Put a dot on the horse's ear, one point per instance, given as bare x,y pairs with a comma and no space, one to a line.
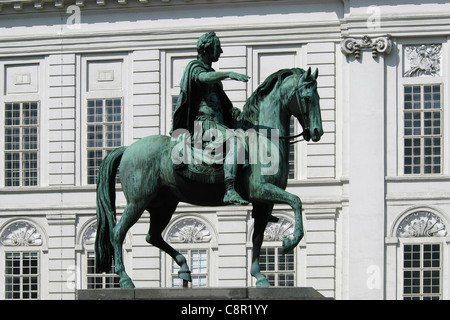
315,74
308,73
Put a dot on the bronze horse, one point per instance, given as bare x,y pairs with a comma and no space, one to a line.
150,183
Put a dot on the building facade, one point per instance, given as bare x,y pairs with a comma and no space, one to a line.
80,78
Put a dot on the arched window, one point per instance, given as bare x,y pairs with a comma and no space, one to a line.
193,238
21,243
421,257
279,269
92,279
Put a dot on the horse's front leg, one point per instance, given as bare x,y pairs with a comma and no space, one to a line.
270,193
261,214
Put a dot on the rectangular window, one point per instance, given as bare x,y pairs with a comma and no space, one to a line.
198,260
423,129
21,144
422,271
21,275
104,132
96,280
279,269
291,174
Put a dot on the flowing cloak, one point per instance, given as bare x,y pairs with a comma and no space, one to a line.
191,94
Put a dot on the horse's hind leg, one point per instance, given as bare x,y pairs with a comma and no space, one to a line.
130,216
260,213
159,218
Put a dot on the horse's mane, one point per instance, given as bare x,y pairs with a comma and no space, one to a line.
250,111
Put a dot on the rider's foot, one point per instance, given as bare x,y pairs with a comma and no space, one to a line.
232,197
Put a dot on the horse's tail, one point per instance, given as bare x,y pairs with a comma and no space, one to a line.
106,209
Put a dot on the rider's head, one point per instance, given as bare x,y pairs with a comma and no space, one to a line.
209,45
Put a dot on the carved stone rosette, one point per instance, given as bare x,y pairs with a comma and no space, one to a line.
378,45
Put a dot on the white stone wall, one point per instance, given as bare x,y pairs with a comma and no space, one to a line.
351,183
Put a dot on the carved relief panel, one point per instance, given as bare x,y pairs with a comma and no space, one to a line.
278,231
422,60
21,234
421,224
189,230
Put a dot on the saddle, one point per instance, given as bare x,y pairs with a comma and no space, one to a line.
203,173
192,163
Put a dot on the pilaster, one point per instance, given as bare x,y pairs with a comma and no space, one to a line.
366,91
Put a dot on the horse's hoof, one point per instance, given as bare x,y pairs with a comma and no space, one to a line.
126,284
185,275
262,283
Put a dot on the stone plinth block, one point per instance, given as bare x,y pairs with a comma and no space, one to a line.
273,293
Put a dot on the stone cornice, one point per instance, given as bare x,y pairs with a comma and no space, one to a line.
20,5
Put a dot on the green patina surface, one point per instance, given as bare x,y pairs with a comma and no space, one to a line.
150,181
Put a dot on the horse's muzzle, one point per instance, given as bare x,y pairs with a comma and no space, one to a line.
317,134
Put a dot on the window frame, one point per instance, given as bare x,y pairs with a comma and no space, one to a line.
276,272
39,95
81,169
422,241
299,51
103,124
21,275
167,261
402,82
187,252
170,87
21,150
111,275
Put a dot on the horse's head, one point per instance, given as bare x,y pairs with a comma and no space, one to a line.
307,107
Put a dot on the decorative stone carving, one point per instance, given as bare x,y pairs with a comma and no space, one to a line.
278,231
421,224
89,234
422,60
378,45
189,231
21,234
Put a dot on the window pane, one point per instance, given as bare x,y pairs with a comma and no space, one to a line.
103,136
422,129
21,275
96,280
21,136
279,269
421,271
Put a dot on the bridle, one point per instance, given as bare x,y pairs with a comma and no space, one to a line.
299,103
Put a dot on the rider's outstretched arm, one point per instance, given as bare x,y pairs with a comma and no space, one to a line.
214,77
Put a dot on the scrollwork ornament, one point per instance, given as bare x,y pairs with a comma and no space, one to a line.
89,234
378,45
189,231
278,231
21,234
421,224
422,60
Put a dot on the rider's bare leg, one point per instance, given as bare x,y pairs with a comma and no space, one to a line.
230,172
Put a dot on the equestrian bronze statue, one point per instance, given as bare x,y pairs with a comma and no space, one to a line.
216,156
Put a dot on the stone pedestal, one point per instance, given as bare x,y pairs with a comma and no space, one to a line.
273,293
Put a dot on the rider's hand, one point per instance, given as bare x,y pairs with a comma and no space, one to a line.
239,77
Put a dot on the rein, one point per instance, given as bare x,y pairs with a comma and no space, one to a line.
293,137
298,103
